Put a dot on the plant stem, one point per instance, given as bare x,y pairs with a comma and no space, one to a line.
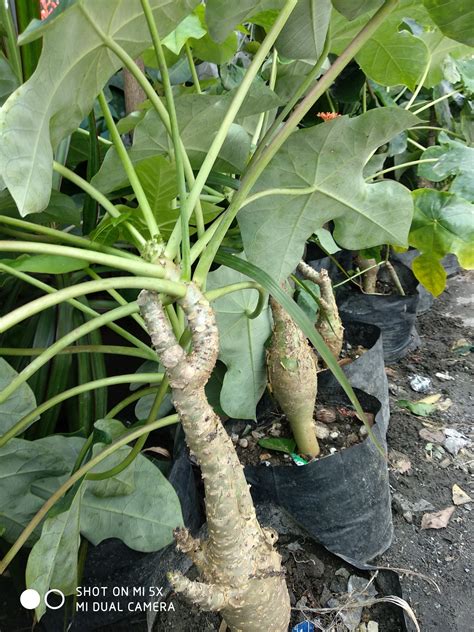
137,267
299,92
34,415
440,129
127,164
63,236
137,448
395,278
213,295
416,144
117,296
59,493
13,51
241,93
177,144
192,67
158,106
431,103
263,118
401,166
420,85
88,287
129,400
65,341
105,349
257,166
81,307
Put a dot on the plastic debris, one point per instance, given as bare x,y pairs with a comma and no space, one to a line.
420,384
455,441
304,626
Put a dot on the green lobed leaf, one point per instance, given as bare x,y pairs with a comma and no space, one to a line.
430,273
52,562
61,93
199,118
455,18
454,160
443,223
46,264
190,27
8,79
305,31
241,345
352,9
222,16
20,403
327,160
439,48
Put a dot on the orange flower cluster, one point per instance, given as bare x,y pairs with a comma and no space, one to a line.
47,7
327,116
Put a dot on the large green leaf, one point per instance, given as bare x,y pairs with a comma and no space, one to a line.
454,160
352,9
304,34
61,209
439,48
45,264
190,27
23,463
327,162
52,562
222,16
33,470
443,223
455,18
199,118
17,405
393,55
241,345
61,92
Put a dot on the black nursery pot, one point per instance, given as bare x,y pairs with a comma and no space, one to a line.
342,500
395,315
113,566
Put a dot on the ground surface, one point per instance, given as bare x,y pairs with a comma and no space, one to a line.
422,476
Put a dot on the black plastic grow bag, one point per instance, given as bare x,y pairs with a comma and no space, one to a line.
342,500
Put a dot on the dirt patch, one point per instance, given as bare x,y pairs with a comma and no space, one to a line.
446,555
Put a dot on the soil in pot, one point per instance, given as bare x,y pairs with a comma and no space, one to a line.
341,498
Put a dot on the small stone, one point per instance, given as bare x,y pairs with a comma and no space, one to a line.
314,567
326,415
352,439
256,434
332,450
363,431
235,437
334,435
265,456
322,431
244,443
408,516
274,432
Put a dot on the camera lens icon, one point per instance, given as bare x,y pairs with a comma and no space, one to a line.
31,599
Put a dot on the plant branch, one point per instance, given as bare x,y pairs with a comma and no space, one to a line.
401,166
192,67
104,349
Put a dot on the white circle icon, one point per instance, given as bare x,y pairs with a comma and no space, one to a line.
30,599
54,591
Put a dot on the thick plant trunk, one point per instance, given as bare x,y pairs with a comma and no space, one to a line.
329,323
240,569
369,278
292,373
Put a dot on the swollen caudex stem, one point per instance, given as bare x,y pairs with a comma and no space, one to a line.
240,570
370,271
329,323
292,374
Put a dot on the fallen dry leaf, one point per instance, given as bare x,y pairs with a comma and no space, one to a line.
390,372
459,496
430,399
438,519
433,436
